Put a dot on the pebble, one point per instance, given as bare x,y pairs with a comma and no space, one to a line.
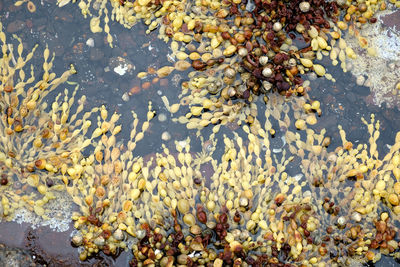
267,72
77,240
121,69
341,221
263,60
140,234
360,80
125,97
121,65
380,185
242,52
90,42
118,234
304,6
277,26
162,117
99,241
196,246
267,85
391,65
356,217
243,202
165,136
319,70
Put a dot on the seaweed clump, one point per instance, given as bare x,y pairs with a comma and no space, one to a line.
241,49
112,189
38,140
244,206
356,193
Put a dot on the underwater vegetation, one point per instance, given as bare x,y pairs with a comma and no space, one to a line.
36,139
110,188
243,207
238,201
239,50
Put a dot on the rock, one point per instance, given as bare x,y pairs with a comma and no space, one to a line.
99,241
121,65
96,54
15,257
391,20
77,240
58,50
118,234
329,122
351,97
90,42
140,234
15,26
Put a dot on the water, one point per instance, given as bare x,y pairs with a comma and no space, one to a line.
67,34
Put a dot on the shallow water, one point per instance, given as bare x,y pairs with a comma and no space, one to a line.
66,32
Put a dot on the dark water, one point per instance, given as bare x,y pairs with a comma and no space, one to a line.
65,32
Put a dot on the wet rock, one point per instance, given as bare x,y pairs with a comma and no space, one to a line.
96,54
14,257
391,116
121,65
329,122
64,15
68,57
58,50
391,20
41,22
98,40
351,97
29,23
15,26
116,52
126,43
